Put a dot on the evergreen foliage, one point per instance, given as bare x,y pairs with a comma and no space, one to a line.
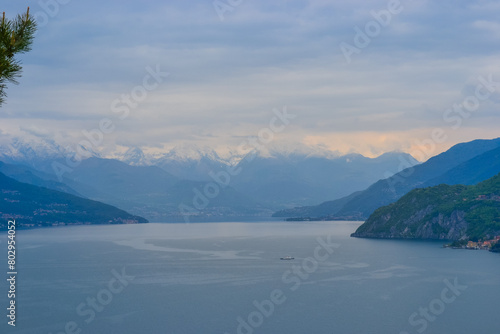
16,37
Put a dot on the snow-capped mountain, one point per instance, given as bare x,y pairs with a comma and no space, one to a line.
40,153
293,178
188,152
190,162
295,150
31,153
277,175
28,150
134,156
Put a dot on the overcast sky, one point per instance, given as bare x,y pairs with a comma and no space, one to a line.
228,70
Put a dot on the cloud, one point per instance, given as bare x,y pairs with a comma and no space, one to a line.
227,76
491,27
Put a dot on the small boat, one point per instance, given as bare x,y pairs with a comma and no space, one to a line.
287,258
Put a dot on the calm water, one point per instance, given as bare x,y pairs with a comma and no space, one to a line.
228,278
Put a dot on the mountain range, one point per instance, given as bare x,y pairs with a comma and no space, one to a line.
163,187
465,163
291,180
200,184
151,191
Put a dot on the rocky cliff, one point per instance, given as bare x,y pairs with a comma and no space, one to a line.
440,212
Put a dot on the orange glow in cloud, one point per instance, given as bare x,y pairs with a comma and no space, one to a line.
417,142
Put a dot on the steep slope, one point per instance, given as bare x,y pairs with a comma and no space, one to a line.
389,190
33,206
475,170
31,176
440,212
325,209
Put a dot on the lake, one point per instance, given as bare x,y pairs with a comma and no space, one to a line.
228,278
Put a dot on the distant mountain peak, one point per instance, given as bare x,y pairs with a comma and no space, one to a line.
291,150
135,156
190,152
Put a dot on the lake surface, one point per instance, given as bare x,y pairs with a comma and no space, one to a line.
228,278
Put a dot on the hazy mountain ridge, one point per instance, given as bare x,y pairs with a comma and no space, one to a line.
294,180
156,185
33,206
477,169
389,190
152,192
32,176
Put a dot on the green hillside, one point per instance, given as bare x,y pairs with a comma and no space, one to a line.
439,212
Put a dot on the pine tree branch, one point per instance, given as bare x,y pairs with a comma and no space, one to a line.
16,37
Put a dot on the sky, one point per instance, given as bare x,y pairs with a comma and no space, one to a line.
357,76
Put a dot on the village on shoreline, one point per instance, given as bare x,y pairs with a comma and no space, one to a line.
492,245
